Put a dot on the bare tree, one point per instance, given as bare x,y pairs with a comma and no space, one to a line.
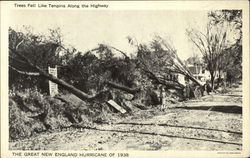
211,44
231,58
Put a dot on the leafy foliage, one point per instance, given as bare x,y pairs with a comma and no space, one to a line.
160,63
37,49
90,70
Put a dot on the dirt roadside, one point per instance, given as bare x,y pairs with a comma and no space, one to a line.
213,122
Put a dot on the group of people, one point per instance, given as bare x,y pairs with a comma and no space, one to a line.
195,91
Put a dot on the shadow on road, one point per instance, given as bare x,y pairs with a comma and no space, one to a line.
225,108
232,95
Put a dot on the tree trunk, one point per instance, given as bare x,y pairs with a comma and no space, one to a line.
219,79
54,79
68,87
212,81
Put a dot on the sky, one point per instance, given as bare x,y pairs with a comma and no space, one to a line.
84,30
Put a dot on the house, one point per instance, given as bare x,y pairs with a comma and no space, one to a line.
200,73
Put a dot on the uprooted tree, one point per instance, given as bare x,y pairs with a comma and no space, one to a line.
30,55
161,63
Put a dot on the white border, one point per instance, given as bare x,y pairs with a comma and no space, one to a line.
139,5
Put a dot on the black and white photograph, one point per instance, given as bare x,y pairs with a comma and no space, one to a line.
106,79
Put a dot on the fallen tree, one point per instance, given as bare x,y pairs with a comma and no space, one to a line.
147,61
161,63
54,79
65,85
170,84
